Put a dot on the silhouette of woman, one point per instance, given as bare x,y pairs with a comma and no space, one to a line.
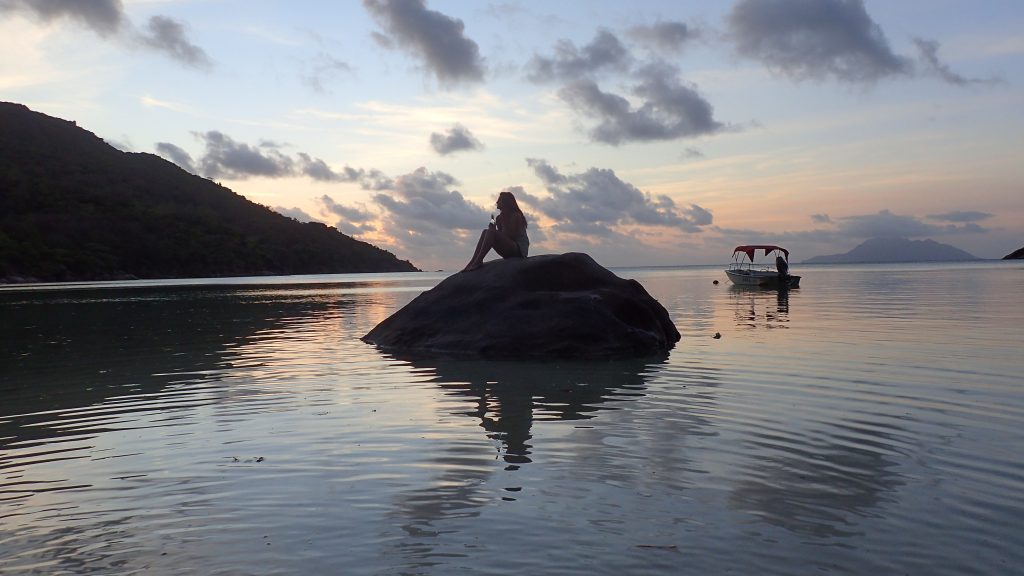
506,234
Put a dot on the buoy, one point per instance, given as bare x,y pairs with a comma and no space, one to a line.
716,282
717,335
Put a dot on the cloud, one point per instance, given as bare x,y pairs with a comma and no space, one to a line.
226,158
223,157
815,39
438,40
605,51
669,109
107,18
296,213
458,138
318,170
821,218
928,55
353,221
167,35
690,153
325,68
961,216
883,224
664,37
176,155
424,200
596,201
104,17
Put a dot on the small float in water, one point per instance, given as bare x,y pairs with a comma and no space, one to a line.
747,270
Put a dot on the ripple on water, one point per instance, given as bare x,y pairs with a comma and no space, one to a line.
866,423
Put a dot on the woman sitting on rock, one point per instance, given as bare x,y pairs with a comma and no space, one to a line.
506,234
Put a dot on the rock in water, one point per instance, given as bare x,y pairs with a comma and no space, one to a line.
551,306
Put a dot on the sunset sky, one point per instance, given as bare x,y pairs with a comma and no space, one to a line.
643,132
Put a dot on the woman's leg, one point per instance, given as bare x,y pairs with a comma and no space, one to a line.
483,246
491,238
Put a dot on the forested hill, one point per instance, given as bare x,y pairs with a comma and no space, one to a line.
73,207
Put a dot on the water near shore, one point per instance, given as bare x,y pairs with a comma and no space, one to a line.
868,423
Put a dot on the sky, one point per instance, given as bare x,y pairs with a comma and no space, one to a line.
644,133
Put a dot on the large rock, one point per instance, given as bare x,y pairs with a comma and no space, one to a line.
552,306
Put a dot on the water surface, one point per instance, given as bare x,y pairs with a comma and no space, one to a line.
867,423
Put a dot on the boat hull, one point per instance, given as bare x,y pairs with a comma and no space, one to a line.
765,279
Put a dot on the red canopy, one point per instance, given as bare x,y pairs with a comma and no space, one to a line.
753,248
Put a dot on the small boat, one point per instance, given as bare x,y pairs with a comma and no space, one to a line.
746,270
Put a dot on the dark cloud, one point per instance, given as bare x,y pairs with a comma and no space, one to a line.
839,231
669,109
353,221
295,213
928,55
323,69
317,169
223,157
176,155
885,224
665,37
105,17
458,138
425,199
435,38
605,51
815,39
595,201
167,35
961,216
226,158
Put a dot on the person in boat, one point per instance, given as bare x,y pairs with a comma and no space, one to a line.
506,234
783,267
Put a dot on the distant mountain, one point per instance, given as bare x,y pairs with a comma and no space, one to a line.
896,250
73,207
1015,255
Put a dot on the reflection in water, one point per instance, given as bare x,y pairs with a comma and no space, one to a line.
507,398
755,307
95,347
818,487
879,434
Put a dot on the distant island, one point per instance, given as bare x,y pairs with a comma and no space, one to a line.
1017,254
896,250
74,208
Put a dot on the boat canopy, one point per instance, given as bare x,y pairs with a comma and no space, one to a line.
753,248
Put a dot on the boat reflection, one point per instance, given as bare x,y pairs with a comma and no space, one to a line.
755,307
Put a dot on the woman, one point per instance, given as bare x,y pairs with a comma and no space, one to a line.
506,234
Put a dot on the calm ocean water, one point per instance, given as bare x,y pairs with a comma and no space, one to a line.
867,423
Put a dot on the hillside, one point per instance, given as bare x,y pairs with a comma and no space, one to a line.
896,250
73,207
1017,254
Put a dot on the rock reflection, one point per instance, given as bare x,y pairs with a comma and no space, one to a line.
506,398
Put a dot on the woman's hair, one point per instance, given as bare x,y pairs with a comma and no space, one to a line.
507,201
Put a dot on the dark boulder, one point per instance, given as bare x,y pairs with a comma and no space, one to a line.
551,306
